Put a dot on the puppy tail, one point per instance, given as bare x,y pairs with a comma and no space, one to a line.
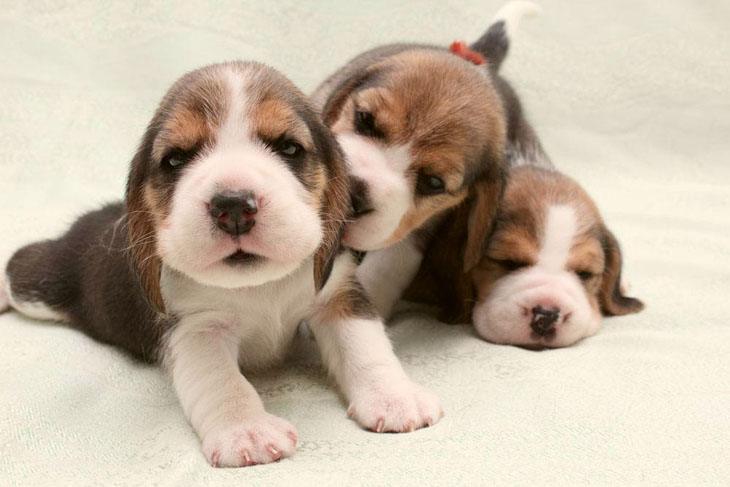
494,43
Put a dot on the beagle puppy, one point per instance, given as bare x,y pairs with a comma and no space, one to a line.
550,268
228,238
423,130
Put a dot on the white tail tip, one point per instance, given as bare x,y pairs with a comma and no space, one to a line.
512,12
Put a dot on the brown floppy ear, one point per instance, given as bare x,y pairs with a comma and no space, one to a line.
486,194
332,108
610,296
440,280
142,236
335,206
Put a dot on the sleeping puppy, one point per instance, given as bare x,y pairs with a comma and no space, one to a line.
423,130
549,271
228,238
551,266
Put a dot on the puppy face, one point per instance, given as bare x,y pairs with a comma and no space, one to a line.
419,129
232,180
551,267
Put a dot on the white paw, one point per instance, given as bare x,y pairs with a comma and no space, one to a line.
262,438
399,407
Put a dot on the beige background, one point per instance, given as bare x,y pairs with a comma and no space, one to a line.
631,97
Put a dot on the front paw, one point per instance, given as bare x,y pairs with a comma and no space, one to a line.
262,438
400,407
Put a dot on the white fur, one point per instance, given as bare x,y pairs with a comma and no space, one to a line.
560,227
385,274
235,125
220,330
252,327
513,12
504,316
381,397
33,309
384,171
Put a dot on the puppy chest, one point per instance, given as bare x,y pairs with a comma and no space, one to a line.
261,319
266,329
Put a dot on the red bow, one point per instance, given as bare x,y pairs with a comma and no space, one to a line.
462,50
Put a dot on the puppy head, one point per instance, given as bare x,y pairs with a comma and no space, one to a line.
419,130
236,182
551,267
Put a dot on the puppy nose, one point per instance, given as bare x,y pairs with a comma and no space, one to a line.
233,211
361,204
543,320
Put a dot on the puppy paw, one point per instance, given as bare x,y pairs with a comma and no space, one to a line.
400,407
263,438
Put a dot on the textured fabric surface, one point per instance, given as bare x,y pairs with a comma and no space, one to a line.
630,97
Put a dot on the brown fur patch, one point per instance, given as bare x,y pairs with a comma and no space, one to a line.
194,108
422,211
349,301
141,229
273,118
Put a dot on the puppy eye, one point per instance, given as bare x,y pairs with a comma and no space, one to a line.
176,158
429,185
365,125
585,275
287,148
510,265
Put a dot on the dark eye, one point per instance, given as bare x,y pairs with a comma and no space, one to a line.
288,149
365,125
176,158
585,275
510,265
428,185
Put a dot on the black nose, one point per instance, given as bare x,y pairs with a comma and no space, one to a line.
233,212
543,320
361,204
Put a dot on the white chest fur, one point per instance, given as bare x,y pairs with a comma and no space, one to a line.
261,319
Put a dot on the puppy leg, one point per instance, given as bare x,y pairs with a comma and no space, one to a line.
358,353
385,274
221,405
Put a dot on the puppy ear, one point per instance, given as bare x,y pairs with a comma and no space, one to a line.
486,194
335,208
331,110
610,296
142,236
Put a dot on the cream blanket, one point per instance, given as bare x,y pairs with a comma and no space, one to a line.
632,98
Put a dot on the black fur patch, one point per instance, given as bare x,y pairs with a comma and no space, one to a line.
86,275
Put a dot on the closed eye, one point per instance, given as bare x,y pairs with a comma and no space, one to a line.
585,275
510,265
